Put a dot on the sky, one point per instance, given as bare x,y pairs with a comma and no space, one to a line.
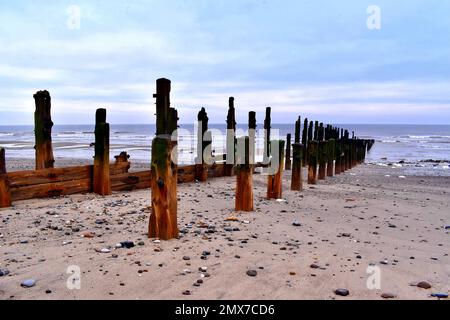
311,58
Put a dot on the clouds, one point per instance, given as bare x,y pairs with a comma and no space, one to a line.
316,58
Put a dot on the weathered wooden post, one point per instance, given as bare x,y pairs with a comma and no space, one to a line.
267,127
252,136
346,151
313,152
5,193
43,131
274,183
305,142
231,138
331,152
101,177
203,143
297,159
244,179
338,152
163,183
323,159
316,130
288,163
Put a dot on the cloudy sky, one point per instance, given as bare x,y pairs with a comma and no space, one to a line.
311,58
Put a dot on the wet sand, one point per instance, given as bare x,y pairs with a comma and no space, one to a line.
346,224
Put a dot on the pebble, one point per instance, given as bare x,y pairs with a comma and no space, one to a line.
4,272
252,273
203,269
424,285
296,224
388,295
88,234
314,266
342,292
127,244
48,291
187,293
28,283
440,295
104,250
186,258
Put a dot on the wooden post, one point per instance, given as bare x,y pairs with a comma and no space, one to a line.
313,153
43,131
101,177
298,123
316,130
323,145
201,168
338,152
244,179
163,183
331,157
252,136
305,142
231,138
267,127
274,184
288,163
5,193
297,159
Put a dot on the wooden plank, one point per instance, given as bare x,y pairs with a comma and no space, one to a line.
35,177
51,189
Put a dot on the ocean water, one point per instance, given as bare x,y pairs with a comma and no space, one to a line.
422,147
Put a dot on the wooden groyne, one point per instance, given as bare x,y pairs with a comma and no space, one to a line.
324,149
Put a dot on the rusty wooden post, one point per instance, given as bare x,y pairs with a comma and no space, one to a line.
305,142
288,163
231,138
101,177
201,167
43,131
244,179
252,136
5,193
313,153
267,127
163,183
274,183
323,145
297,159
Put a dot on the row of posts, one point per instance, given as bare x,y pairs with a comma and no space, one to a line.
324,150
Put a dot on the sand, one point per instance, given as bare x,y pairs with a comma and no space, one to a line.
347,223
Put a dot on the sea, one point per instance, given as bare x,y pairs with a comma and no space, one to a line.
424,149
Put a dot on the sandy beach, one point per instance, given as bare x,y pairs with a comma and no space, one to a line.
304,247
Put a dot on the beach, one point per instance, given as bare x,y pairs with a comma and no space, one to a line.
304,246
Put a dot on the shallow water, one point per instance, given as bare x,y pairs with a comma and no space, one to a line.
411,144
